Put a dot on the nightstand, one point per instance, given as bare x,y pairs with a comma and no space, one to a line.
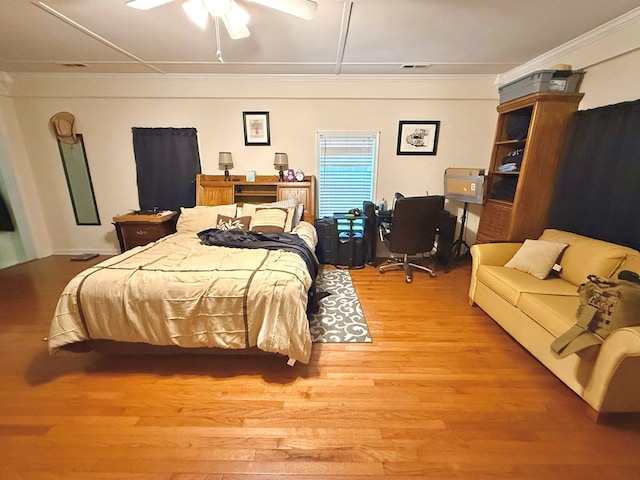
134,229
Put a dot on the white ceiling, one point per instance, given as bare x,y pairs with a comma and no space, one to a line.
352,37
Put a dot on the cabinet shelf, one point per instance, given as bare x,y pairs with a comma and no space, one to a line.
518,202
512,142
249,193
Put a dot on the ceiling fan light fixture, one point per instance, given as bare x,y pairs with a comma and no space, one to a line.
197,12
217,8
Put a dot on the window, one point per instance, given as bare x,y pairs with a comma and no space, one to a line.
347,166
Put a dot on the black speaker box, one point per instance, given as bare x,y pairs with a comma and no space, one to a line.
446,236
351,252
370,232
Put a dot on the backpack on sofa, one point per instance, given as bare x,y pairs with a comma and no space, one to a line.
605,305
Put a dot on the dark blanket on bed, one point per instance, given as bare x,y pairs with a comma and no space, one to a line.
270,241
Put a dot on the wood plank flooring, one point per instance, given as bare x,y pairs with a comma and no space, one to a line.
441,393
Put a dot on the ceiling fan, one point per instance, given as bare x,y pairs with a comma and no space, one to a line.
233,16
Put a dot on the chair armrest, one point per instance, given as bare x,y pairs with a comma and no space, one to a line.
489,254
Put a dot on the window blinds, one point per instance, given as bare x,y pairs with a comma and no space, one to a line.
347,164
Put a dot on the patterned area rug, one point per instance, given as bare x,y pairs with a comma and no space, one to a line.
340,318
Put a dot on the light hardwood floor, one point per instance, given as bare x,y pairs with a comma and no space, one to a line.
441,393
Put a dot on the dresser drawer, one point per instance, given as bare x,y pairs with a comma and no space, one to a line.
135,234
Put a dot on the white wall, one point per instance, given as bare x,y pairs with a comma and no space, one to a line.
612,81
18,189
107,108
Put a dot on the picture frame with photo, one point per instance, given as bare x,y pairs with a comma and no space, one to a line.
256,128
418,137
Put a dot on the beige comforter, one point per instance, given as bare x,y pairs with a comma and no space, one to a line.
177,291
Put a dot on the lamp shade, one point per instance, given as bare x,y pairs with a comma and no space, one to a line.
281,160
225,160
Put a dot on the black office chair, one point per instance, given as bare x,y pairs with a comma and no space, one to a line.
413,231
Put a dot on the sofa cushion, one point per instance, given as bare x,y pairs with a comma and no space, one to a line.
536,257
585,256
555,313
510,283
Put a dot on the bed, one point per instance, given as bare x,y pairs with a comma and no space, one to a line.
186,293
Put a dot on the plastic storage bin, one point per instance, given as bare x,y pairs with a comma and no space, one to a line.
567,81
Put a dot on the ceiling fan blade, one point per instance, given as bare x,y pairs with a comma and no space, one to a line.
236,21
299,8
236,30
146,4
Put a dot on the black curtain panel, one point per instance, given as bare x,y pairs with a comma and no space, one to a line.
597,193
167,161
6,223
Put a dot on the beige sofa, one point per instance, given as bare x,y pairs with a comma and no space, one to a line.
535,312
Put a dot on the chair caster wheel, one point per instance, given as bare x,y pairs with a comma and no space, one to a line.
408,279
381,270
432,275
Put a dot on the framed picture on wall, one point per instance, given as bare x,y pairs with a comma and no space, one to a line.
256,128
418,137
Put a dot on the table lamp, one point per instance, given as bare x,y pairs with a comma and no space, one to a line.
225,162
281,162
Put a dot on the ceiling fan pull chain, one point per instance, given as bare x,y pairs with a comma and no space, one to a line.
219,49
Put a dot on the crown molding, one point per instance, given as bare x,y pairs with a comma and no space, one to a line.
617,26
259,78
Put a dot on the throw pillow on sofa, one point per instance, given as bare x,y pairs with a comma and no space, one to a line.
536,257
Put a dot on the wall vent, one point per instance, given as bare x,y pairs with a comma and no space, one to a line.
73,65
414,66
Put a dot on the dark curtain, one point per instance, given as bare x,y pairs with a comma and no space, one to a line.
167,161
598,189
6,224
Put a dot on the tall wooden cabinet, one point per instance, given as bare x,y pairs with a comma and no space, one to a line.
517,202
214,190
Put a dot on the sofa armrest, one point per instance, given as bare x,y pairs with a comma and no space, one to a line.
614,385
489,254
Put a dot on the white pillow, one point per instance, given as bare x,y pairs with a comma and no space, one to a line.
269,220
196,219
536,257
299,214
249,210
290,202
